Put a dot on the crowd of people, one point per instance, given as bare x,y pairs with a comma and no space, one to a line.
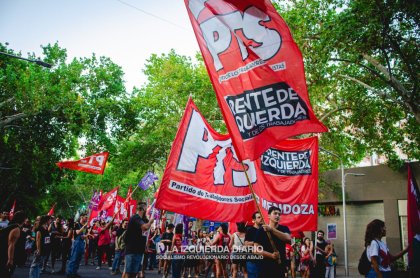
135,245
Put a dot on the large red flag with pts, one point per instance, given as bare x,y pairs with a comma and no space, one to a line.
204,172
413,209
257,72
108,200
94,164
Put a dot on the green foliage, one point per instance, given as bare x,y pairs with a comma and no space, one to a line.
361,61
45,113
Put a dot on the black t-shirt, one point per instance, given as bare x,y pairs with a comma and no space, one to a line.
45,241
251,234
269,265
167,236
135,242
321,245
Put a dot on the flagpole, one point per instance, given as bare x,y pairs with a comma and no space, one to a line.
259,211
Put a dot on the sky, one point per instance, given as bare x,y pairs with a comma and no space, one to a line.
127,31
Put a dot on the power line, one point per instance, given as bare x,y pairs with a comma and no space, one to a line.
152,15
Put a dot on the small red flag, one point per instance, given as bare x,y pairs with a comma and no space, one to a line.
12,210
108,200
128,201
51,212
94,164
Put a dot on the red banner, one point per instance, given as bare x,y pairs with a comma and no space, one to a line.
51,212
12,210
118,205
203,172
108,200
94,164
257,72
413,209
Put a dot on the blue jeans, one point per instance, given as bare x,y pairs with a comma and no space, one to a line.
372,274
177,267
117,261
252,270
35,270
77,251
152,260
133,263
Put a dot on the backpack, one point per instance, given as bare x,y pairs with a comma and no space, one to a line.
364,264
121,241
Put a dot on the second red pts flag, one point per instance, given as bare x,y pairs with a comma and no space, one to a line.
257,72
94,164
203,177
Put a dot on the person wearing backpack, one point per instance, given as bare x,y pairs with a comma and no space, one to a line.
119,247
377,251
330,260
8,239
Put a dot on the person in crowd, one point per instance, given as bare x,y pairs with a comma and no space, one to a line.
119,247
280,236
55,229
78,247
4,221
330,260
250,236
377,251
153,236
167,241
104,241
43,247
288,262
305,258
8,238
221,239
66,241
135,241
176,249
92,243
319,269
46,257
20,248
237,244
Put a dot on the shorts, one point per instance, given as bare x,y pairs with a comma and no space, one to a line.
133,263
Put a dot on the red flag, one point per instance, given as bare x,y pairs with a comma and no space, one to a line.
94,164
203,171
413,209
257,72
127,201
108,200
51,212
12,210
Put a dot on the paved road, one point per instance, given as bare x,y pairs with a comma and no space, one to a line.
91,272
84,271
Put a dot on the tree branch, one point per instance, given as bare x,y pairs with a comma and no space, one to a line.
6,101
380,93
12,118
332,112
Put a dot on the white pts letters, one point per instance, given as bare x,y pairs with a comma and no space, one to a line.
198,142
219,30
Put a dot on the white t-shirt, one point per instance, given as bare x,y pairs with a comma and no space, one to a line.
381,251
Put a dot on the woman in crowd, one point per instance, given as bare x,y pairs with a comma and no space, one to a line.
305,258
237,244
176,248
221,239
377,251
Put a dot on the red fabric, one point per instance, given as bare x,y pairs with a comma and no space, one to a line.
413,209
12,210
127,201
257,72
108,200
104,237
203,172
94,164
51,212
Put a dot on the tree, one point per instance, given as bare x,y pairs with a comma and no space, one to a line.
44,114
361,60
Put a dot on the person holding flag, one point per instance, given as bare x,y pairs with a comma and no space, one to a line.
135,241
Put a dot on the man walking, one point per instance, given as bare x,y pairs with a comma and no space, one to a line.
135,241
281,235
78,247
250,237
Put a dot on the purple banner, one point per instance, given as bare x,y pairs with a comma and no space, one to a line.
147,180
